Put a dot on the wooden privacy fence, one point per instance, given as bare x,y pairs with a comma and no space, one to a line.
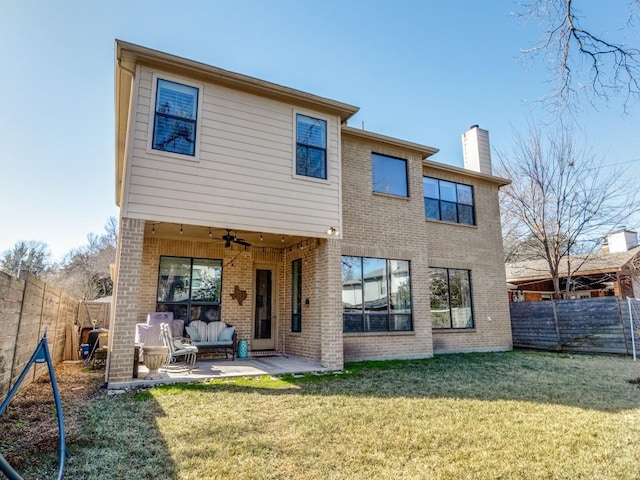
28,308
596,325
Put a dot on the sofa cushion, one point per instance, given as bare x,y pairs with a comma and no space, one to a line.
226,335
192,331
213,330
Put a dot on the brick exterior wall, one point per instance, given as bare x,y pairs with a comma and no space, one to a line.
383,226
124,316
479,249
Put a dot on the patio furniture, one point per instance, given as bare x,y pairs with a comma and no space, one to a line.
154,356
177,348
148,333
213,336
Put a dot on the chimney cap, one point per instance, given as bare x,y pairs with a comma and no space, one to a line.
474,126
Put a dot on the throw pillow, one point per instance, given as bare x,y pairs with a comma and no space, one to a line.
193,333
226,335
177,344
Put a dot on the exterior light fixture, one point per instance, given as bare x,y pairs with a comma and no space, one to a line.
181,231
332,231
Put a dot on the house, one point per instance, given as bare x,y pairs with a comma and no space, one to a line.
613,271
253,203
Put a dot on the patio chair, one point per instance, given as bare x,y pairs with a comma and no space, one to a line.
177,348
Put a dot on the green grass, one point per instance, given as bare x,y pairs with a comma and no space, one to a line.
512,415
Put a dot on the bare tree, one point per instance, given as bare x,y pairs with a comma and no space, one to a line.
561,201
84,271
33,256
585,64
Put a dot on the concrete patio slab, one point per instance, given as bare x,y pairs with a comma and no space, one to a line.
223,368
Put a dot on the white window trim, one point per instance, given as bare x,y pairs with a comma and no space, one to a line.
152,116
294,121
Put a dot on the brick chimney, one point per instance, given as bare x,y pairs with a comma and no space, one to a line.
622,240
476,150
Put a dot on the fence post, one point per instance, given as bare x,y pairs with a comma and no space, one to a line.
15,343
555,321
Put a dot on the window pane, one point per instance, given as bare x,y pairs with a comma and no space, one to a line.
296,295
179,310
447,191
174,135
432,208
374,272
206,280
400,289
389,175
311,162
430,186
352,284
460,287
311,131
465,194
177,100
400,322
175,120
465,214
173,279
439,295
205,313
376,322
448,212
352,323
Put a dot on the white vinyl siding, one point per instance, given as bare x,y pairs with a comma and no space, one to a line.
242,178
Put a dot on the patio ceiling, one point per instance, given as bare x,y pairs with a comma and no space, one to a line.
214,234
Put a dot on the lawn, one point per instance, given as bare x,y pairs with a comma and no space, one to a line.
517,415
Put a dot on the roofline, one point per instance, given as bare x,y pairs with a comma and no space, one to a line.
423,150
129,55
465,171
173,63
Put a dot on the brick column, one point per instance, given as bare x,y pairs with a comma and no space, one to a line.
124,314
329,283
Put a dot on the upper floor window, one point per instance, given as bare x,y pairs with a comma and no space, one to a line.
175,119
389,175
450,292
448,201
311,147
376,295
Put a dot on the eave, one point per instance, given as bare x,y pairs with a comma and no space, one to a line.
423,150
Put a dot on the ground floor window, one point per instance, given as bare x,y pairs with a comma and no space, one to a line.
190,288
450,291
376,295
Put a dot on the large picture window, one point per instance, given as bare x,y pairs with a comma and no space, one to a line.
389,175
190,288
175,119
450,291
448,201
376,295
296,295
311,147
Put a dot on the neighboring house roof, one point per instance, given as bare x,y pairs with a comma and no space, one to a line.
592,264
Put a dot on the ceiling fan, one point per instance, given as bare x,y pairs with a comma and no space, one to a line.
228,239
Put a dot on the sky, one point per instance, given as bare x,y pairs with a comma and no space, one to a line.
422,71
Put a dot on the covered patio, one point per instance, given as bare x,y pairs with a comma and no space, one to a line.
223,368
